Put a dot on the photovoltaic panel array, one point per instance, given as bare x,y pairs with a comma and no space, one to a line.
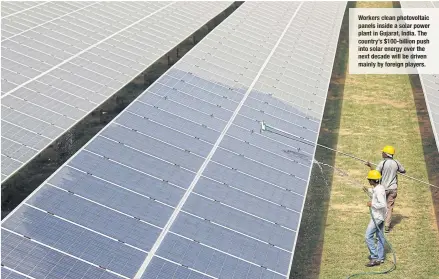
18,17
61,60
182,184
430,86
430,83
419,4
14,7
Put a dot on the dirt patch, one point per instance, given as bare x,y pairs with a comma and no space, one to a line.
350,207
404,210
396,104
349,132
384,102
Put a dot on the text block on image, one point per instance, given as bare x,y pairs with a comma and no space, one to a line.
393,41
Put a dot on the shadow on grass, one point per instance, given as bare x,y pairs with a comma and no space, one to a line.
396,4
309,247
429,145
397,218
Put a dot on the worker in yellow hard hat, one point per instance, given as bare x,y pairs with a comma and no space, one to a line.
389,169
378,207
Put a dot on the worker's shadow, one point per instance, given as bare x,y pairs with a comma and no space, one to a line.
396,219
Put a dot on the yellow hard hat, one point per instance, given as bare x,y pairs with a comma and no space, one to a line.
374,175
389,149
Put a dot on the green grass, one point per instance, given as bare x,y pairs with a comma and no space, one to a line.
377,110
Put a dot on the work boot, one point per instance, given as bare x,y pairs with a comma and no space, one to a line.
387,229
373,262
370,258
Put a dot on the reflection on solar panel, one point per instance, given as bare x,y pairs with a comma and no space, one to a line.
60,60
182,184
430,83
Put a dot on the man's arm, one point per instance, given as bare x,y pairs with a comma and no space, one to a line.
401,168
369,164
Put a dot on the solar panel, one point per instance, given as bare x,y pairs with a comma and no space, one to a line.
182,184
33,14
61,60
430,83
418,4
10,8
430,86
8,274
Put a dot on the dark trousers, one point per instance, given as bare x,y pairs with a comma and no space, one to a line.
390,197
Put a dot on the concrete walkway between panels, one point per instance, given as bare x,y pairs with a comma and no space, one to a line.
364,113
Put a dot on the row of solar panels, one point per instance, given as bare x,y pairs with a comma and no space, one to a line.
430,83
61,60
182,184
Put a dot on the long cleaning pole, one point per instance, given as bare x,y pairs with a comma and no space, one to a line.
265,127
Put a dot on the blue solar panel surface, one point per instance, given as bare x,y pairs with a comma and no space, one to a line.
182,184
